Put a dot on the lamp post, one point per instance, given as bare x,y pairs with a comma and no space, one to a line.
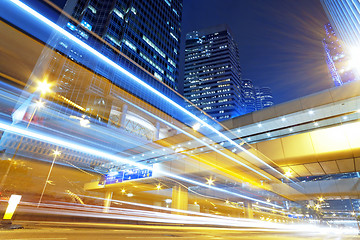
56,153
43,88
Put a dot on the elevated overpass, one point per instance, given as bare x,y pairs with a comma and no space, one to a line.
316,137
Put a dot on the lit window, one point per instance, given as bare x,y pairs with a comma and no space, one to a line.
171,34
92,9
130,45
158,76
118,13
86,25
154,46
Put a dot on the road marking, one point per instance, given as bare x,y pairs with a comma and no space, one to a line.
177,237
35,238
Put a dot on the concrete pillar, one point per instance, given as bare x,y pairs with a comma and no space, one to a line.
157,133
123,115
107,201
179,198
248,210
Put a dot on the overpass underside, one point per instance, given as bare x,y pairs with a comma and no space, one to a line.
315,139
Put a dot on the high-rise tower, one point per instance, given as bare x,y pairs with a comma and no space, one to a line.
148,32
336,58
212,72
344,16
264,97
248,93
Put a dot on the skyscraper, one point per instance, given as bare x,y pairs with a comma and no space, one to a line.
212,72
344,16
264,97
140,36
146,31
248,93
336,58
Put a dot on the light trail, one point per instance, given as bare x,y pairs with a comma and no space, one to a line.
177,210
195,138
63,143
146,215
78,147
93,211
148,87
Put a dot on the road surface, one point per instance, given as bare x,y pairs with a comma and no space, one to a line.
90,231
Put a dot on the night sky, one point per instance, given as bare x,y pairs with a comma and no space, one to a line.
279,41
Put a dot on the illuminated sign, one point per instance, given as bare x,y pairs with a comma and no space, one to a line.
126,175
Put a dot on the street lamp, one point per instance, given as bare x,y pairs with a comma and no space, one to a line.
55,153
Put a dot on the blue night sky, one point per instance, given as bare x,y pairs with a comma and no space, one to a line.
279,41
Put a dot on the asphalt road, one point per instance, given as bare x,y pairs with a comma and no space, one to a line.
78,231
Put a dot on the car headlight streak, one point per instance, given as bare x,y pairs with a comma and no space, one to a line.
116,66
77,147
195,138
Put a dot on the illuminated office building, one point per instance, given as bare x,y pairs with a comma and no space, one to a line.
264,97
212,78
146,31
336,58
248,93
141,36
344,16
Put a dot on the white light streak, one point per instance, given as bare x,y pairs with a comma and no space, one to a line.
139,81
72,145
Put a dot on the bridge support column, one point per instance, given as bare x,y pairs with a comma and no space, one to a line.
179,198
157,133
107,201
123,115
248,210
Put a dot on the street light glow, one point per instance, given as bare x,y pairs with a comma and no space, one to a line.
57,153
44,87
40,104
210,181
288,174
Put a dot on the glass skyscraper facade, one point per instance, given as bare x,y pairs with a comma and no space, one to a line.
148,32
141,36
249,96
212,78
264,97
336,58
344,17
